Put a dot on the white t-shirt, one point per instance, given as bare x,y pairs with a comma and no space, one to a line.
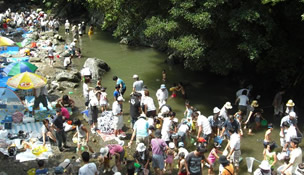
88,169
223,113
291,133
243,100
85,71
203,121
67,25
150,103
138,85
93,98
67,61
235,141
116,109
162,94
183,128
295,158
103,98
167,122
85,88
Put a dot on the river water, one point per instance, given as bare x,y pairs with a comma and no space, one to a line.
204,91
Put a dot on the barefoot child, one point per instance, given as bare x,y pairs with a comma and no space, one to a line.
181,164
170,157
213,155
267,138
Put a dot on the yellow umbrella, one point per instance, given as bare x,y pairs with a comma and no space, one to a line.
6,41
26,80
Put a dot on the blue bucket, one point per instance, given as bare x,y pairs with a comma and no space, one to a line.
218,139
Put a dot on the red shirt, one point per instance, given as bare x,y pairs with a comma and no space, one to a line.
4,25
65,113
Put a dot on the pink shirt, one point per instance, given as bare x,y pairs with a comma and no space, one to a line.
115,149
65,113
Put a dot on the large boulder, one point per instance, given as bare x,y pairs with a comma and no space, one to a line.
97,66
71,76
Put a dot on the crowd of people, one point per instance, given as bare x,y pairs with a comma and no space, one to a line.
159,137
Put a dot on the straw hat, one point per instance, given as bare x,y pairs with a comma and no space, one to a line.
228,105
290,103
254,104
141,147
264,165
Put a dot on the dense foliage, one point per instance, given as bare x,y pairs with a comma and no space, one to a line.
259,37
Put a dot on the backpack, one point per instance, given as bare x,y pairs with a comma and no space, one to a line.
59,170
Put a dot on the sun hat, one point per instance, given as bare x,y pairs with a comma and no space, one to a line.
216,110
228,105
163,86
75,40
171,145
223,160
255,103
292,114
135,76
120,98
82,22
141,147
290,103
265,165
104,151
117,173
175,120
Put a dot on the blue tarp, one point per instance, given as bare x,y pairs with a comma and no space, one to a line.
10,50
3,81
13,60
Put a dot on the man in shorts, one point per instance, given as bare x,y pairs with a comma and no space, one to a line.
234,145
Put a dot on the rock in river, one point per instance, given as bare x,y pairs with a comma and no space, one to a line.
97,66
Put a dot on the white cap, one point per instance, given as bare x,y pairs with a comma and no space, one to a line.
67,161
135,76
292,114
216,110
171,145
120,98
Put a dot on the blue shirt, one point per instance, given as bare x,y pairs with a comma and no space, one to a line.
42,171
116,94
141,126
120,81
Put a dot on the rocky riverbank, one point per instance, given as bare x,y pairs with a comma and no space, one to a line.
59,82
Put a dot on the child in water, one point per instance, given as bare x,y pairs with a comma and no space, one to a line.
91,30
164,75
